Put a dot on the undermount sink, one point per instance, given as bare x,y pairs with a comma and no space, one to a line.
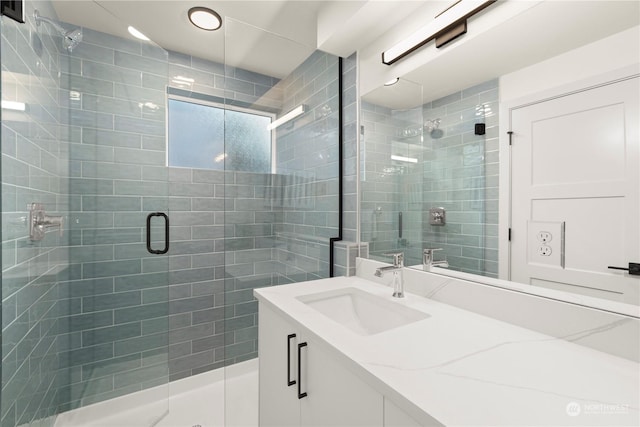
362,312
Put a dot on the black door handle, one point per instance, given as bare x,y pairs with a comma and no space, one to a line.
289,381
300,393
166,233
633,269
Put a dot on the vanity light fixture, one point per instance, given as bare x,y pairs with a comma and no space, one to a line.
205,18
137,34
404,159
392,81
448,25
299,110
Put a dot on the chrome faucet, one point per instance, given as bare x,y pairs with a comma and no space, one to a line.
396,268
428,262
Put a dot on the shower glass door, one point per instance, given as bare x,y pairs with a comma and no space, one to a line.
114,91
281,186
85,296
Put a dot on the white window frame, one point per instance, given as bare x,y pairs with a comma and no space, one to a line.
223,107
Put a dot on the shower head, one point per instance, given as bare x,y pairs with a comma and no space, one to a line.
433,127
436,133
70,39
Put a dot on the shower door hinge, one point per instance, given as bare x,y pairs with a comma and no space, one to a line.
510,133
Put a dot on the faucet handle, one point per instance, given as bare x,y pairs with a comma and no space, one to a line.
427,255
398,258
430,250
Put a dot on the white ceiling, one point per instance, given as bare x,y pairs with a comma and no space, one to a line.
273,36
284,29
166,24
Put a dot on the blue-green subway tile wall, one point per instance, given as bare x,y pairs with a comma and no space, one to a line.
461,175
189,314
349,145
33,165
307,166
278,225
113,93
390,187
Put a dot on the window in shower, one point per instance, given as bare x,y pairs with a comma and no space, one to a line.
196,137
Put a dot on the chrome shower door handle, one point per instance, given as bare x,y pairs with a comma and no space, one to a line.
166,233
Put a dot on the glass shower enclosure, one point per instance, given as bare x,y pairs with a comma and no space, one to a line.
279,222
392,157
429,175
144,270
85,275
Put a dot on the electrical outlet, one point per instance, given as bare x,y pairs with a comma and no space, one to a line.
544,250
544,236
545,243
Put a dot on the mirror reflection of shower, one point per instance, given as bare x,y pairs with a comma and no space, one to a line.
433,128
70,38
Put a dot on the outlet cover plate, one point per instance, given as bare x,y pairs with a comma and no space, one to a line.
545,244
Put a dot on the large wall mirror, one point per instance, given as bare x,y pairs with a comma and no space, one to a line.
513,151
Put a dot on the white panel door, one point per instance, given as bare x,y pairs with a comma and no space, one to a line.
575,192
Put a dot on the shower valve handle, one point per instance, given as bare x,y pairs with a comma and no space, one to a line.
39,222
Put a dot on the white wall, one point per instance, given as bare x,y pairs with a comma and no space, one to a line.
611,53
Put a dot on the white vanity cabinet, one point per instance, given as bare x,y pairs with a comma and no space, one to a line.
334,396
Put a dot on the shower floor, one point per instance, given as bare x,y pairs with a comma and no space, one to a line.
194,401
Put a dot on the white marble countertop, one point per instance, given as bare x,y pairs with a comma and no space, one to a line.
462,368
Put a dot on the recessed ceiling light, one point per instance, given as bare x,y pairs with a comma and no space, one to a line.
137,34
392,82
205,18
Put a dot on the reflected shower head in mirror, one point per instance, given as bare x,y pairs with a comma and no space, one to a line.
433,127
70,39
